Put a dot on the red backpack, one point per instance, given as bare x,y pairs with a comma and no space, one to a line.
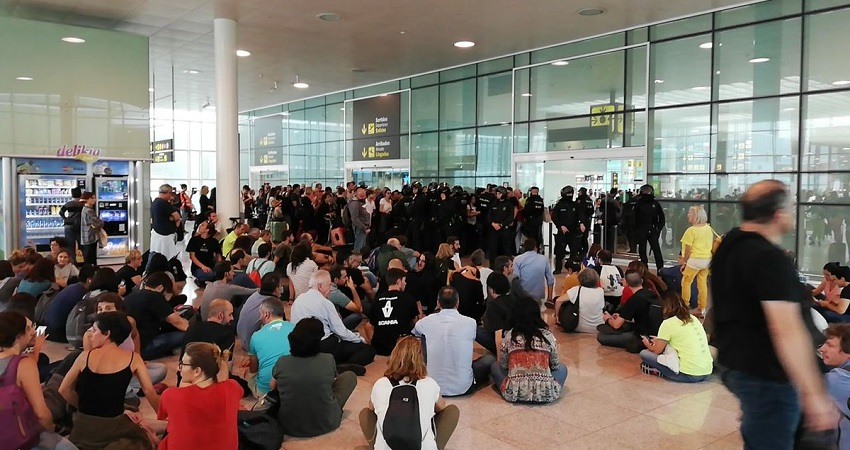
19,426
255,274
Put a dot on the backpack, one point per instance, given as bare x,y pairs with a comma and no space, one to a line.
44,302
568,314
346,215
258,431
19,426
372,260
255,275
80,318
401,429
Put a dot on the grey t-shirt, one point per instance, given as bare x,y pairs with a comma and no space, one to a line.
249,318
338,298
222,290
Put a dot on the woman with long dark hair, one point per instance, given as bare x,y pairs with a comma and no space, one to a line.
423,283
528,368
302,264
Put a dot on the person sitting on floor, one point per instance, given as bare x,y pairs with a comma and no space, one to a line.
56,314
239,260
690,361
528,367
131,273
640,316
223,287
836,355
17,333
152,312
112,302
406,366
323,255
500,303
312,395
345,297
263,263
269,343
610,278
204,252
97,382
63,270
449,338
591,300
349,349
393,313
836,310
201,412
249,316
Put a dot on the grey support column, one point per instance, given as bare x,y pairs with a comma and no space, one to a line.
227,146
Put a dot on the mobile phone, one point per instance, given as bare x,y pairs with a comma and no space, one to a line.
41,330
646,337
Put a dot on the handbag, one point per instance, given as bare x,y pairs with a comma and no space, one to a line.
258,431
102,238
568,314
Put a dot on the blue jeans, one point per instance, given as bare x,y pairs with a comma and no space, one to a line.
352,320
498,374
162,345
359,240
203,277
651,359
771,411
831,316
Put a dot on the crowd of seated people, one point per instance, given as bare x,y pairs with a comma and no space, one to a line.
424,312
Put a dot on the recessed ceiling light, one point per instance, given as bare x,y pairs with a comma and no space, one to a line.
329,17
192,71
700,88
658,81
285,113
845,148
560,63
150,89
464,44
587,12
706,45
299,84
759,60
402,32
242,53
841,82
24,78
73,40
358,70
526,94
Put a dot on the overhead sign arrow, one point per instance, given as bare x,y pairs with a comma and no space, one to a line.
363,152
363,129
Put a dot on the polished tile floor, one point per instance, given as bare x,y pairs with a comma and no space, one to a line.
608,403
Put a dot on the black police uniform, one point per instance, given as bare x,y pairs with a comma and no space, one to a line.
649,220
532,214
564,214
500,241
584,209
418,221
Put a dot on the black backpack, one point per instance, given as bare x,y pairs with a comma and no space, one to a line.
44,302
568,314
258,431
401,429
81,318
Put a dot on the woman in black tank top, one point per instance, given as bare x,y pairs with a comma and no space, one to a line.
97,382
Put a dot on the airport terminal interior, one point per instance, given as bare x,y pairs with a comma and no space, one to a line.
649,120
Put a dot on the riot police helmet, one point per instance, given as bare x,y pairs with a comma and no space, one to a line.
567,191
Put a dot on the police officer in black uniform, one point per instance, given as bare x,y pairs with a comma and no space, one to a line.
418,217
500,217
649,221
447,219
485,201
565,218
585,210
532,213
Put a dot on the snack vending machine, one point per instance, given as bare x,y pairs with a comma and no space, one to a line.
41,197
113,204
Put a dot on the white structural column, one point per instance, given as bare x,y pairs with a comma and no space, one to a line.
227,145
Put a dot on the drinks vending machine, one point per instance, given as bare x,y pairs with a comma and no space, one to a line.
113,202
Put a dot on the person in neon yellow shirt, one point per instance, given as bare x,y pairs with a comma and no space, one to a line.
691,362
230,239
696,257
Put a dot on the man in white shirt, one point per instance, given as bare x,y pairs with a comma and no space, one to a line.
348,348
454,241
449,337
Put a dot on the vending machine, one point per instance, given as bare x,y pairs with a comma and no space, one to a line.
113,204
44,186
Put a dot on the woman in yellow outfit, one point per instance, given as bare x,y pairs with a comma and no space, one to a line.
696,257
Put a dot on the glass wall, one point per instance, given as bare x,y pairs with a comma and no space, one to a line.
720,100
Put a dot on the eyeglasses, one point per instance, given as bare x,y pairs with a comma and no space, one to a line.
181,365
